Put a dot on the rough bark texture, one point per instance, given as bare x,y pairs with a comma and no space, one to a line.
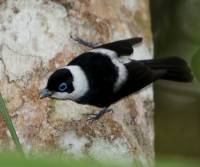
35,40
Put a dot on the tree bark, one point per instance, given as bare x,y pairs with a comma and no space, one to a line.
35,40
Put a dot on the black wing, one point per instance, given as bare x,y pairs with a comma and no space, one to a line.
140,76
122,47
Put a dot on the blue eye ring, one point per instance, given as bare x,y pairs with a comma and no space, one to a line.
62,87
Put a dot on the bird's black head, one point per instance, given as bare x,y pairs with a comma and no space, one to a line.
66,83
61,81
59,85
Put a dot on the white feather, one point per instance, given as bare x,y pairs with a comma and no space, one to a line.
80,84
122,71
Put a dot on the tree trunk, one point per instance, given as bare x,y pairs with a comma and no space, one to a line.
35,40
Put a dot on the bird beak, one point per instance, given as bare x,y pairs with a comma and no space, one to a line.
45,93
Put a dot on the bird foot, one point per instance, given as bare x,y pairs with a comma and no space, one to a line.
84,42
92,117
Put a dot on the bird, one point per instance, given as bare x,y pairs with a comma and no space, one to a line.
100,78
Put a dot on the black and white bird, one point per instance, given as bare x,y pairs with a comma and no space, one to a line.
99,78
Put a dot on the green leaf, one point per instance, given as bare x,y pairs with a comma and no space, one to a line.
8,121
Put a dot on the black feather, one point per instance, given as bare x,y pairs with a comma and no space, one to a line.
139,76
58,77
174,68
101,74
122,47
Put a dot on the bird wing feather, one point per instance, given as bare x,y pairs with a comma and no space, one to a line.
122,47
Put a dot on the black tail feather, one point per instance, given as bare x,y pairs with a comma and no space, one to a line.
176,69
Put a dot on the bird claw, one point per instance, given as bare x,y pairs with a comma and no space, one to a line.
84,42
92,117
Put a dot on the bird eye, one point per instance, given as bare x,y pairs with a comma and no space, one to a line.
62,87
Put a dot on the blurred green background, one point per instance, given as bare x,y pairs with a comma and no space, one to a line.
13,160
176,29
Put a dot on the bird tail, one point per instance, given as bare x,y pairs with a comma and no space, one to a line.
174,68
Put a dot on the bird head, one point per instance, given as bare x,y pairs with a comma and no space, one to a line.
68,83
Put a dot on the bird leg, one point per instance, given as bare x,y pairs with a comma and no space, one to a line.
83,42
95,116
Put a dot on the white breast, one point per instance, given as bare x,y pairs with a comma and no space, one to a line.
122,71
